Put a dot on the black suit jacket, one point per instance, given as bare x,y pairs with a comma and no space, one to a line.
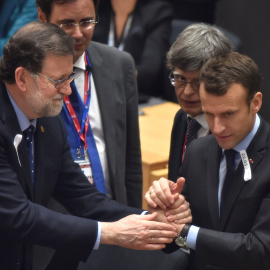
240,239
25,220
148,40
116,87
178,134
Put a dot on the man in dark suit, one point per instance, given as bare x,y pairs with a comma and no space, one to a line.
227,175
36,163
113,111
193,47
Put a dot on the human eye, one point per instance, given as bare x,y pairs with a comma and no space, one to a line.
67,26
87,24
179,78
228,114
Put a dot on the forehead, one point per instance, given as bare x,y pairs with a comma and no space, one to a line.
75,10
58,65
234,99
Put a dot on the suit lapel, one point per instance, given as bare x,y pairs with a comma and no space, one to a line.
255,152
212,179
106,101
12,127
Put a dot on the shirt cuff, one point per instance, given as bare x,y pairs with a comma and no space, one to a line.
192,237
96,246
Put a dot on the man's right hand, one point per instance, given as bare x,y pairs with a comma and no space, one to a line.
139,232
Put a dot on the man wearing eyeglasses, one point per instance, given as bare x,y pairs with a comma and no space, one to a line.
104,134
193,47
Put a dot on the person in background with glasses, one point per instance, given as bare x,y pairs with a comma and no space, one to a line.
194,46
101,114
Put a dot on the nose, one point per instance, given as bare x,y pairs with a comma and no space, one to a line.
188,90
65,89
218,127
77,33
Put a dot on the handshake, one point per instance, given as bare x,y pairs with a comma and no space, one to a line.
169,212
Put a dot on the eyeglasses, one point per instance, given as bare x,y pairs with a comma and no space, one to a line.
177,80
68,27
59,83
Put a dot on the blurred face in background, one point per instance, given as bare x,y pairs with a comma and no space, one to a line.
78,12
187,91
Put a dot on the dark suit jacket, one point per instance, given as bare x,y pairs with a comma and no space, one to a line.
113,73
178,134
147,41
240,240
24,218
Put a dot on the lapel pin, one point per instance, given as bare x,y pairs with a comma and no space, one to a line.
251,160
42,128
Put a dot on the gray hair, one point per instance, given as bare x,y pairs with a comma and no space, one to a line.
197,44
30,45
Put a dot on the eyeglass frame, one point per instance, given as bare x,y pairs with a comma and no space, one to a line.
192,84
79,24
69,79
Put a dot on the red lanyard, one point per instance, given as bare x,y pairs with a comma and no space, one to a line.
85,120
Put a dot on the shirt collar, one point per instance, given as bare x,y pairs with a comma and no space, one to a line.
243,145
80,63
201,120
24,122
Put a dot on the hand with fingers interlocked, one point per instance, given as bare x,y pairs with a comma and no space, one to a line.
164,198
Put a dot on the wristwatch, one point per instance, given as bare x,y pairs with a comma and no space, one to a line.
181,238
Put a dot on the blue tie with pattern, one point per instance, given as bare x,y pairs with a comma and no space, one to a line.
28,137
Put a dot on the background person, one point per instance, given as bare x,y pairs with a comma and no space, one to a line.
141,28
105,78
198,43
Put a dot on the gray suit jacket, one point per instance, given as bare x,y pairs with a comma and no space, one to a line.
115,81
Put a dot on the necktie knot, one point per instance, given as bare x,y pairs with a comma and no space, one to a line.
192,130
230,157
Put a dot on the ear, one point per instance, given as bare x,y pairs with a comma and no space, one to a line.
21,78
41,15
256,102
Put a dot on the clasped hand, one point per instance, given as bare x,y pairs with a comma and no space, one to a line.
164,198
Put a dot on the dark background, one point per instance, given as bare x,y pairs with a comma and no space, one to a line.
250,21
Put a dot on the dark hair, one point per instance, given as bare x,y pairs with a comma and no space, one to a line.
29,46
219,73
46,5
197,44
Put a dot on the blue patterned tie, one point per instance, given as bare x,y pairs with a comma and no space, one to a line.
192,130
28,137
